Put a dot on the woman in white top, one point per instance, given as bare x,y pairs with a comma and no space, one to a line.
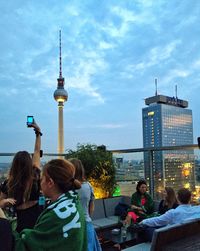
86,195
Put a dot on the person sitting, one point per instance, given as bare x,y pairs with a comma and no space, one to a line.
23,185
61,226
184,212
169,200
142,205
87,201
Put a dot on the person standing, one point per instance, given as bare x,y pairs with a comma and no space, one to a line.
61,226
23,185
87,201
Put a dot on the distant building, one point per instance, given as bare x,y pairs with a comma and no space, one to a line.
168,122
128,170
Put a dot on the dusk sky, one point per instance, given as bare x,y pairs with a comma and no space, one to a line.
112,52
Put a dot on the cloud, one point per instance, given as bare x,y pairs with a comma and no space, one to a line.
171,75
157,55
111,126
183,72
111,52
196,65
160,53
152,61
83,84
9,93
103,126
104,45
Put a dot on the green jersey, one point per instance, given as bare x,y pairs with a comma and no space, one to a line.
61,227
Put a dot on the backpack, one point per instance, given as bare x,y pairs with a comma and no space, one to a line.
121,210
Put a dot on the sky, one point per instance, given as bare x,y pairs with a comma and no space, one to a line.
112,51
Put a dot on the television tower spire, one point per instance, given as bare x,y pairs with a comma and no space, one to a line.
60,75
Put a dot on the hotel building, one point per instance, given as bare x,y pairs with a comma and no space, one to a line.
168,122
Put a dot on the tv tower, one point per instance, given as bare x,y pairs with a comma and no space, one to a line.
60,95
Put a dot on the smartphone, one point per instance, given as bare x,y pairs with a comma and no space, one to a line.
30,121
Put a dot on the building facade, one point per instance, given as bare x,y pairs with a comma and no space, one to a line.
168,122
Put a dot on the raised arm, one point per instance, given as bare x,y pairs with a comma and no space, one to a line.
36,154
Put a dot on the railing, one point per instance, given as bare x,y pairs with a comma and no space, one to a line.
162,166
183,155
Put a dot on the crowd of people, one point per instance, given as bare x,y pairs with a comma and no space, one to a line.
171,209
65,223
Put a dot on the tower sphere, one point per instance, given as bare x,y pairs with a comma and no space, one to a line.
60,95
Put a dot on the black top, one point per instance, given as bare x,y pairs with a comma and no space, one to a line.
164,208
35,190
26,218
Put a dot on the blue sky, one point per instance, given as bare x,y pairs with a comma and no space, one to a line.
112,52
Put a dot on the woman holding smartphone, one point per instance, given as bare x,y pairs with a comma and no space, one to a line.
23,184
61,226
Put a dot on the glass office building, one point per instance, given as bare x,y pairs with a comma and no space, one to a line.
168,122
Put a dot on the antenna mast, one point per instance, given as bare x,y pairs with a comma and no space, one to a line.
176,91
60,74
156,80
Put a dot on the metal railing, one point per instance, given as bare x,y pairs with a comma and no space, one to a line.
150,152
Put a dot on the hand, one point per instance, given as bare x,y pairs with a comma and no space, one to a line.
141,212
7,202
136,208
35,126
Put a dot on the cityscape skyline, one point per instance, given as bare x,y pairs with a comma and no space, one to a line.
112,52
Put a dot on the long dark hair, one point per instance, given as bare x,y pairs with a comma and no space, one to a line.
20,177
62,173
171,197
140,182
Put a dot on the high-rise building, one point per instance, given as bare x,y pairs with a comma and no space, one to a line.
60,95
168,122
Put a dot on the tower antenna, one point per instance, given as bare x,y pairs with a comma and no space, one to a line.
176,91
156,81
60,58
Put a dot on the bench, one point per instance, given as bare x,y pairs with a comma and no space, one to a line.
184,237
104,212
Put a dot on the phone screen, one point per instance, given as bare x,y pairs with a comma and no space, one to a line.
30,120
